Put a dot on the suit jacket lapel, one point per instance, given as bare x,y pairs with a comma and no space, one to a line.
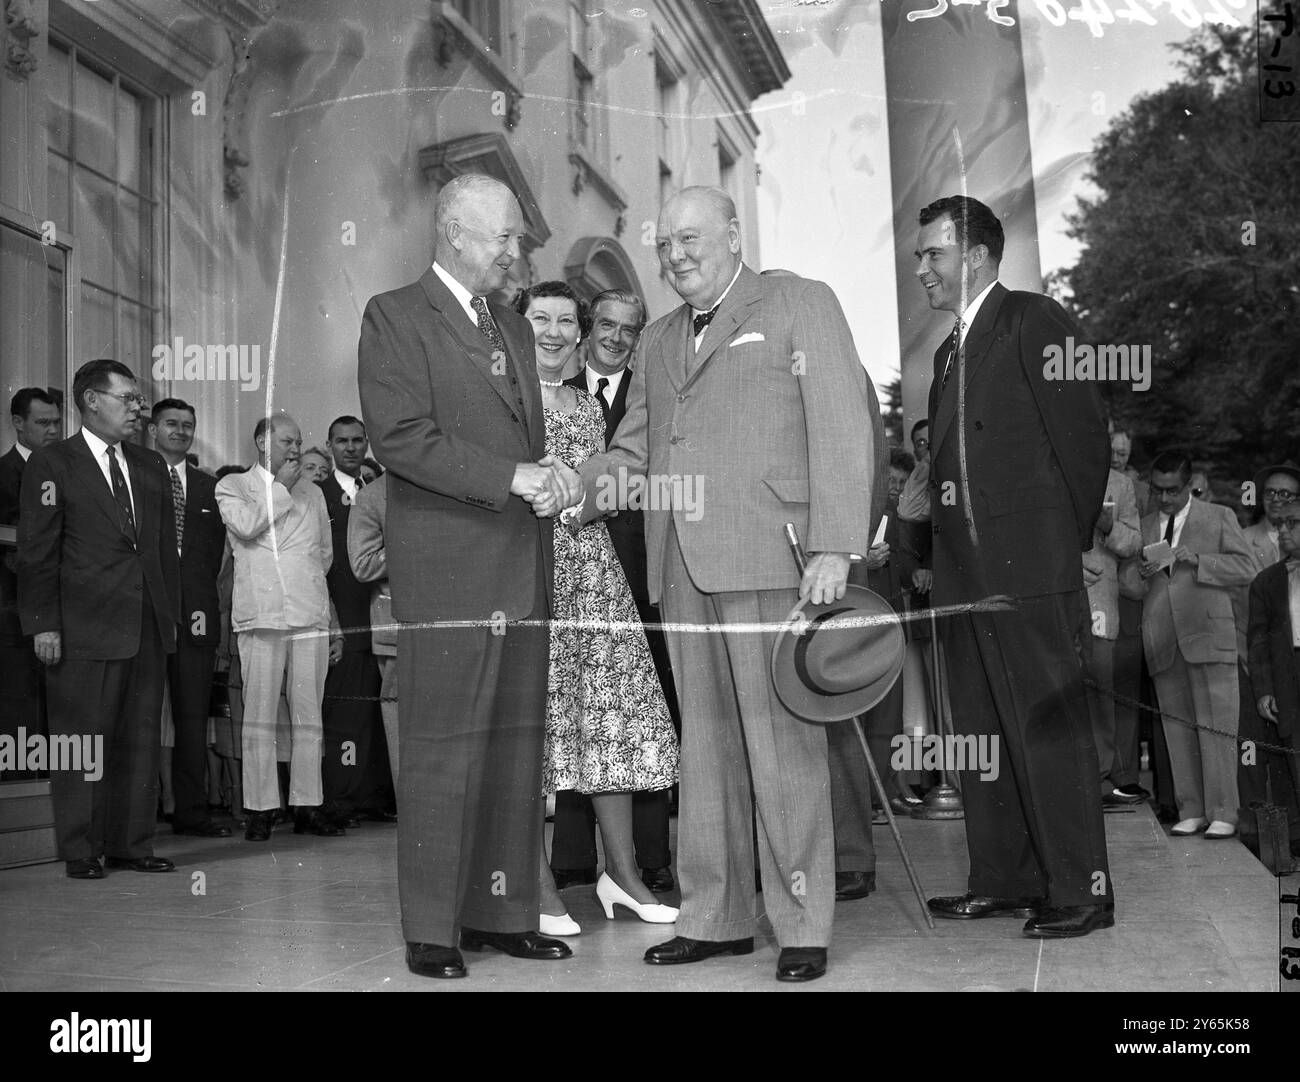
674,345
736,308
975,351
477,349
88,470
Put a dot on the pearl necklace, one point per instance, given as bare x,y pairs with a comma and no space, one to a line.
550,382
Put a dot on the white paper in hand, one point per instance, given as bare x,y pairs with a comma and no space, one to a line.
1159,554
880,530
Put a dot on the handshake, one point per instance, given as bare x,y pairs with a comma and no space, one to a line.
548,485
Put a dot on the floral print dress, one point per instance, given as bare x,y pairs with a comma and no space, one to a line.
607,724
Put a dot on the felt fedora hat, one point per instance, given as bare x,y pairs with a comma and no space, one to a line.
1288,468
835,661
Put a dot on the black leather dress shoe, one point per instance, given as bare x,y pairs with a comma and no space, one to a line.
680,950
903,805
377,815
1065,921
209,828
140,864
259,826
801,964
1133,789
573,877
1117,797
849,886
658,880
430,960
84,869
1166,813
516,944
974,906
311,821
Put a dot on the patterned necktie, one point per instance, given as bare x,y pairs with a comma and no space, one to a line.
704,319
601,384
486,326
178,506
954,343
126,516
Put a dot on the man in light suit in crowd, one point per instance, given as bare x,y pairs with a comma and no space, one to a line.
1277,490
450,398
99,592
366,554
1018,471
1116,536
751,396
1192,638
280,540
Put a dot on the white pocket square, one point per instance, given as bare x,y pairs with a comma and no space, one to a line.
752,336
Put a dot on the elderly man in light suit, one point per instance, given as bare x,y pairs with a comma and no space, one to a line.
1116,536
280,540
1192,639
753,393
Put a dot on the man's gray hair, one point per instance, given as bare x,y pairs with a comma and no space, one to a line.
721,201
457,192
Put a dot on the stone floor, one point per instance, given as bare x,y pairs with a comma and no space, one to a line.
321,914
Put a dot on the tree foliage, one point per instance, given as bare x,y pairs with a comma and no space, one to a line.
1186,177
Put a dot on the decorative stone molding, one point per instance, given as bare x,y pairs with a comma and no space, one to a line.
488,153
243,22
597,263
454,38
21,26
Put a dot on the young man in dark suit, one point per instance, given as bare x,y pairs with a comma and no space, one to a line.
1018,474
450,398
99,590
350,715
200,543
617,317
38,421
1273,638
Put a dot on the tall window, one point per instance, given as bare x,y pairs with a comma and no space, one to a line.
583,85
102,187
485,18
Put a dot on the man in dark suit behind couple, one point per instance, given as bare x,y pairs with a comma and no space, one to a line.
450,398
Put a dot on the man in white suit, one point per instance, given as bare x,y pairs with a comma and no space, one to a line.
749,409
1192,640
280,539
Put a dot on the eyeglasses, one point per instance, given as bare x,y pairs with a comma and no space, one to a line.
1278,495
1289,524
1173,490
138,399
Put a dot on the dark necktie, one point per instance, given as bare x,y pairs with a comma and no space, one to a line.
704,319
486,326
954,343
601,384
1169,537
178,505
126,516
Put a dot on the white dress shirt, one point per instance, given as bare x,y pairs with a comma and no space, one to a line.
98,450
615,381
348,485
458,291
24,452
1293,589
1179,519
700,311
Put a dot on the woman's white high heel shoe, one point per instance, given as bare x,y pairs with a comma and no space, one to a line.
565,925
611,894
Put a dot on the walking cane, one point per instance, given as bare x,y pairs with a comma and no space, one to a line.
801,562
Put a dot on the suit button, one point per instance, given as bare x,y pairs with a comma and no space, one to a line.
137,586
514,418
979,426
672,439
936,529
681,398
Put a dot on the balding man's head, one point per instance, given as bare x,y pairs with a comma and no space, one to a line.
478,231
698,241
278,440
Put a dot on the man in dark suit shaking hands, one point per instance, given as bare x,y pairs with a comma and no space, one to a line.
450,398
98,588
1018,474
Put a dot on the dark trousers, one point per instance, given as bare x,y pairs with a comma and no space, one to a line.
22,696
118,704
189,684
573,841
469,829
851,793
1273,773
352,733
1036,829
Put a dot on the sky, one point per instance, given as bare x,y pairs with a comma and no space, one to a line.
824,138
